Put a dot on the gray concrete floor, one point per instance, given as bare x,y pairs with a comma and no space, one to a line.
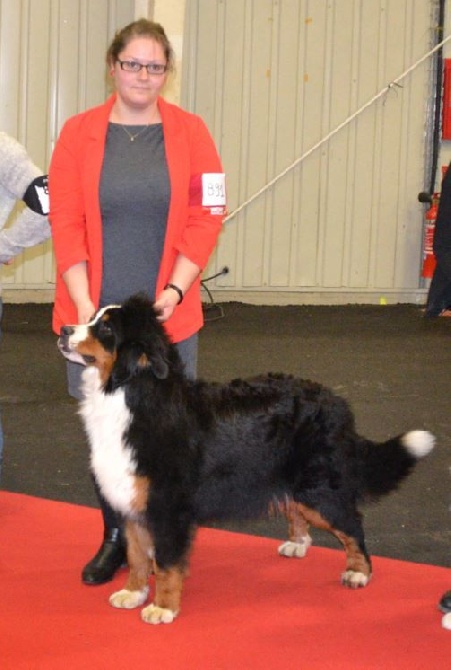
388,361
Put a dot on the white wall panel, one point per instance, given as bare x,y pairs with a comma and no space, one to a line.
52,65
274,77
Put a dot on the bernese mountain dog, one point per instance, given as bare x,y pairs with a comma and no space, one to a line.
170,453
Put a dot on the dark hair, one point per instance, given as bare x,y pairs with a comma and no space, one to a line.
140,28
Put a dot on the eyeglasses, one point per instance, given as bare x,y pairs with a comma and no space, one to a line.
134,66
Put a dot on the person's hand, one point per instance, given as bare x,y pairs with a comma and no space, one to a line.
165,304
86,311
10,261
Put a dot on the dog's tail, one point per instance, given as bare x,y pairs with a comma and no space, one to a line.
386,464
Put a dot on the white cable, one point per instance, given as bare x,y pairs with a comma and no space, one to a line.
361,109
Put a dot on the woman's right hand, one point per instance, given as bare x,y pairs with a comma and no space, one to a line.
76,280
86,311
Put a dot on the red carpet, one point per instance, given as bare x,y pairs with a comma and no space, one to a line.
244,607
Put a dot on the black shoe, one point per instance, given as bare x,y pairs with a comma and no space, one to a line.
110,557
445,602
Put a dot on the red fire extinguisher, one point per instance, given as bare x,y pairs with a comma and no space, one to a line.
429,261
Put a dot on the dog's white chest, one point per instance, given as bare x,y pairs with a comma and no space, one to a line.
106,419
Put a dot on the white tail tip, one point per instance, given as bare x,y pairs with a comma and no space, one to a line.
418,442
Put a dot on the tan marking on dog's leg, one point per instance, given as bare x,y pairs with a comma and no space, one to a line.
139,502
299,539
358,567
168,594
139,556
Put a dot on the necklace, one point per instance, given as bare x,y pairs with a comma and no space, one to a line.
132,137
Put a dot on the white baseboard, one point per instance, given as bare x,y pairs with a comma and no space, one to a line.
255,297
321,297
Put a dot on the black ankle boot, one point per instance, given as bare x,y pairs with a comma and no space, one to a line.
107,561
445,602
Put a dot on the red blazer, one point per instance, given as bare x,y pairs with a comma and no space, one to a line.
192,227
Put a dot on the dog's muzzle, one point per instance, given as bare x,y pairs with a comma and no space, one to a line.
63,344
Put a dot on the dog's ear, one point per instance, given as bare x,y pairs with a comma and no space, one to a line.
157,363
156,355
159,367
131,360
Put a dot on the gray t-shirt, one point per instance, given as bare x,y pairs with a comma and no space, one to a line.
134,203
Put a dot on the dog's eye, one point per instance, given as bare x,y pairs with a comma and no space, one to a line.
105,327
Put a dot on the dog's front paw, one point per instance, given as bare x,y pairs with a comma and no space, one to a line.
354,580
295,549
125,599
154,614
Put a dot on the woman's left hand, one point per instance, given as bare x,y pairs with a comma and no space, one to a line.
165,304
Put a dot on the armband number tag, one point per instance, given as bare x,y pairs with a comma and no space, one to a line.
213,189
36,197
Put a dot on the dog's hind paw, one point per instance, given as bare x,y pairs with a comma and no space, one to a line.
125,599
153,614
354,580
295,549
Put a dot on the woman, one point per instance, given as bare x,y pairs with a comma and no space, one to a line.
137,200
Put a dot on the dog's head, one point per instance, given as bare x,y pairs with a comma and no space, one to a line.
121,341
